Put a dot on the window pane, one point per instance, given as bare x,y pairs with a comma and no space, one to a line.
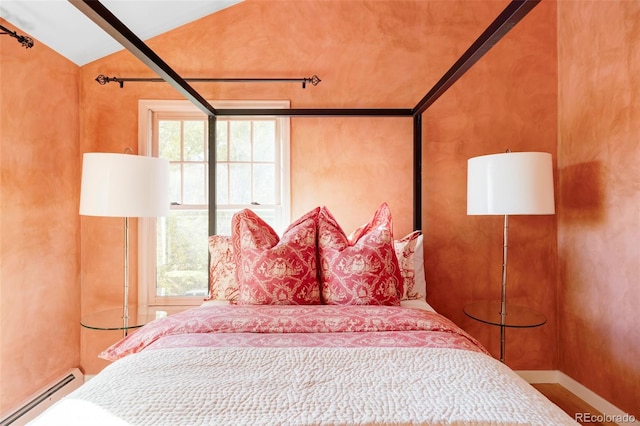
240,141
264,183
223,221
264,141
222,183
223,218
175,184
182,254
240,183
194,179
268,215
169,140
194,141
222,146
247,170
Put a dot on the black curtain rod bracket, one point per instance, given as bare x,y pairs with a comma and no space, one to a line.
314,80
25,41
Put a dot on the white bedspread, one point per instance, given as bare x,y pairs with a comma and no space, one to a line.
305,385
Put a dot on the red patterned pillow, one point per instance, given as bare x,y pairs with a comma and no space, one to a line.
270,270
222,269
364,271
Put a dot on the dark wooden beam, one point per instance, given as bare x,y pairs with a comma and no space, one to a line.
510,16
417,172
317,112
106,20
213,226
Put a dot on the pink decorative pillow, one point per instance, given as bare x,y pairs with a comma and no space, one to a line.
222,269
273,271
364,271
410,258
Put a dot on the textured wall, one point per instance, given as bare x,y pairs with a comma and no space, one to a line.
402,48
39,251
506,101
599,215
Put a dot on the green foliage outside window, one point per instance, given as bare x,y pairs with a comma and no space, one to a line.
245,176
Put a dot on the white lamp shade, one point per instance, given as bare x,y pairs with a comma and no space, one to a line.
513,183
124,185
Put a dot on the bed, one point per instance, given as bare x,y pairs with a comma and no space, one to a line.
315,327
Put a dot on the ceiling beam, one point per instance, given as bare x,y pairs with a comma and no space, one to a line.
317,112
106,20
510,16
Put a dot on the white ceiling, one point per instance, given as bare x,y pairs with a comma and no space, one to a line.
63,28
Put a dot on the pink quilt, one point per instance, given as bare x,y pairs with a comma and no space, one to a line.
291,326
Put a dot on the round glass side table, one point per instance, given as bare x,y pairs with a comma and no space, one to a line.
112,319
488,312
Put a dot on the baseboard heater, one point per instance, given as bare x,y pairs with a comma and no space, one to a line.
44,399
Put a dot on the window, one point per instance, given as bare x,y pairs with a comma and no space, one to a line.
251,172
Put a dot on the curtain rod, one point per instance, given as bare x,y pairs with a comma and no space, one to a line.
25,41
314,80
101,16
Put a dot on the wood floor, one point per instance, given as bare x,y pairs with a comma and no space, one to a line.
570,403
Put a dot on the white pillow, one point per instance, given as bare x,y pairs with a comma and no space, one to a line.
410,256
417,304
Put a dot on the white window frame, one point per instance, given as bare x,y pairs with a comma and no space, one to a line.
147,226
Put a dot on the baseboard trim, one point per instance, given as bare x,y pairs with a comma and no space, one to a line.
540,376
581,391
43,398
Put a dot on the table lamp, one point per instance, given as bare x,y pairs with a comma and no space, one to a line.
124,185
511,183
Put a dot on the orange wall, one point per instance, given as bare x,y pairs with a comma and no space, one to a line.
507,100
39,282
599,214
520,96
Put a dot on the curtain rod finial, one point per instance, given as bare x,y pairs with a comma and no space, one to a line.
103,79
26,42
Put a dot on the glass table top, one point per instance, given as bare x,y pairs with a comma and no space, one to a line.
112,319
517,316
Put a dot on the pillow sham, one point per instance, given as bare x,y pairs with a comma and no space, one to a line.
411,260
222,269
270,270
364,271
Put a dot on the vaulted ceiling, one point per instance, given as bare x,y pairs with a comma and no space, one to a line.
63,28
